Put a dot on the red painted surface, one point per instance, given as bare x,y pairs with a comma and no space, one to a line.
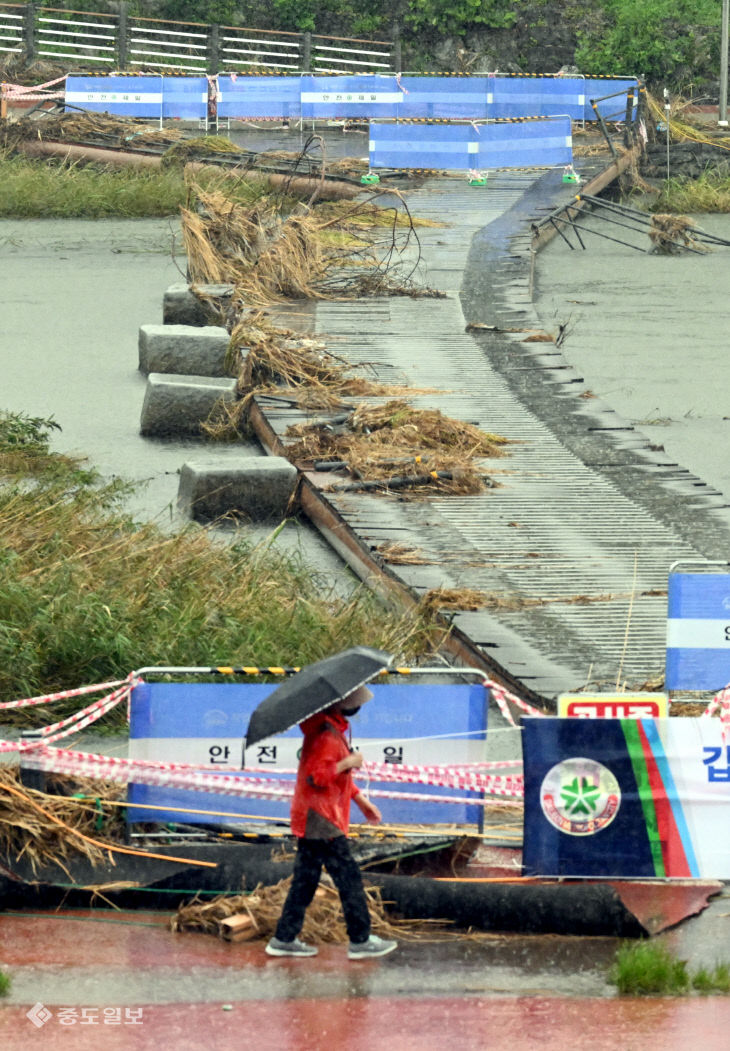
367,1023
274,1006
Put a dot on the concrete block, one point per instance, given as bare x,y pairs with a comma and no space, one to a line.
177,405
181,307
186,350
258,487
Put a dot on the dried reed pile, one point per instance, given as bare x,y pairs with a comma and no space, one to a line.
184,150
323,922
331,252
671,233
278,362
396,440
53,828
100,128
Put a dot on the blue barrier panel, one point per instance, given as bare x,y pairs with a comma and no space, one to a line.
538,97
185,97
370,96
531,144
446,98
122,96
205,723
698,631
461,147
444,146
350,97
613,109
259,97
626,798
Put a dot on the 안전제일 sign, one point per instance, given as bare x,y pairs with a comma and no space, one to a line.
626,797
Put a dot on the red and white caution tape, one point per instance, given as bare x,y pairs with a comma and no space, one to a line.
502,695
720,703
72,723
62,695
183,775
448,777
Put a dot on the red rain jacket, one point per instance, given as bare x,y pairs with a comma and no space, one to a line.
321,805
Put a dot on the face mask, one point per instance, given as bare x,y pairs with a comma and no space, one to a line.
349,712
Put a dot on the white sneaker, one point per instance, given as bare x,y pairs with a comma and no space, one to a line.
295,948
373,947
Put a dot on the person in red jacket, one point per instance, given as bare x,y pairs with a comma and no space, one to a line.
320,819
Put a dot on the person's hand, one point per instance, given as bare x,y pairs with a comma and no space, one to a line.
353,761
370,811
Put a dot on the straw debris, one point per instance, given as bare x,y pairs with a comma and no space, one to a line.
323,922
400,446
25,831
322,253
669,234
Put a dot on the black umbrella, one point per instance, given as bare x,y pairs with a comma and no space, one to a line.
313,688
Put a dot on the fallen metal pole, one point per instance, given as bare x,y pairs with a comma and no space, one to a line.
599,234
647,218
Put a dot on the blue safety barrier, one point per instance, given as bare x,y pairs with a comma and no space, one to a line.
123,96
205,723
144,96
366,97
445,98
539,97
334,97
249,98
185,97
464,147
698,631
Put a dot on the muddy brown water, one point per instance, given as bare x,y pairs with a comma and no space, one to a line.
649,335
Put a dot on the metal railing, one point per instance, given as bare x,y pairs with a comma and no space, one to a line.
93,40
12,28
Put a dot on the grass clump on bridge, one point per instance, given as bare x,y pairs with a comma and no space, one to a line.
649,968
87,594
4,983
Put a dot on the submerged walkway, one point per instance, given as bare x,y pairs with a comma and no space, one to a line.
574,545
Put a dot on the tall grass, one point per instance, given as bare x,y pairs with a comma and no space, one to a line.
87,594
4,983
36,189
708,193
648,968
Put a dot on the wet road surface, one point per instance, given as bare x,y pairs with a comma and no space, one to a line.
190,991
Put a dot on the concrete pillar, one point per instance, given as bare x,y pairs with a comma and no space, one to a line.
177,405
257,487
181,307
186,350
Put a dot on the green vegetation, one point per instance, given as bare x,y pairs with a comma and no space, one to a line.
44,189
709,193
87,594
664,40
4,983
648,968
445,15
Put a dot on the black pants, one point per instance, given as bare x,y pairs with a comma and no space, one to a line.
335,855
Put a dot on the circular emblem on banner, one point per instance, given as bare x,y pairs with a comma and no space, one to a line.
580,796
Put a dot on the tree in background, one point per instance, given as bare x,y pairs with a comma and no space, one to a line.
666,41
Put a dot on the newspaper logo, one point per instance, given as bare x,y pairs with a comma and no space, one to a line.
39,1015
580,796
